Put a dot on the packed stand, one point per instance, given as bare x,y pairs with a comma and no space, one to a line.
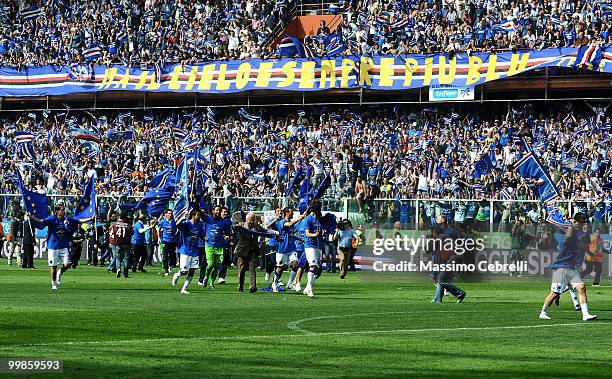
138,33
430,26
376,152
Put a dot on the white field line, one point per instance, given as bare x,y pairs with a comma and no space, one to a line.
302,332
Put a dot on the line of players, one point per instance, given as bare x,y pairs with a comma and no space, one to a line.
203,242
300,242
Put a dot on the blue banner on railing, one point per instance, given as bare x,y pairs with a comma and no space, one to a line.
315,74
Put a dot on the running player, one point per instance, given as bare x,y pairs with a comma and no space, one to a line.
190,232
60,230
564,272
299,235
286,247
313,244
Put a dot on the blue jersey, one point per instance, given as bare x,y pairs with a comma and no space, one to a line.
300,229
189,235
283,166
202,240
167,231
286,241
313,225
568,251
137,237
216,229
60,231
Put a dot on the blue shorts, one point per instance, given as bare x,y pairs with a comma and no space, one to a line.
303,262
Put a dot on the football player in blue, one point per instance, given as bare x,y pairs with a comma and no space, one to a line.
190,232
564,268
313,245
286,254
60,230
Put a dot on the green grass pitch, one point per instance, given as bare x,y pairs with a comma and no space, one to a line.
370,325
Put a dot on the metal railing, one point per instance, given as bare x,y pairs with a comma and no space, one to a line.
412,213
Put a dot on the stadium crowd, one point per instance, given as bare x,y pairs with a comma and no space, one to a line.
380,152
144,33
404,27
135,33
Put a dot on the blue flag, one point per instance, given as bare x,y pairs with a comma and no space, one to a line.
181,208
120,135
163,179
87,205
161,197
33,202
299,173
537,178
323,186
483,166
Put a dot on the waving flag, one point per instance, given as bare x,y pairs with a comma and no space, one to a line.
181,208
589,54
33,202
92,52
120,135
87,205
32,12
536,176
84,134
23,137
504,26
556,216
333,46
483,166
290,46
190,143
210,117
247,116
323,186
27,150
162,194
299,174
163,179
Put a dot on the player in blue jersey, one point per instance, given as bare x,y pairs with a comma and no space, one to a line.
564,269
313,244
268,259
218,231
167,238
286,254
59,232
190,232
299,235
